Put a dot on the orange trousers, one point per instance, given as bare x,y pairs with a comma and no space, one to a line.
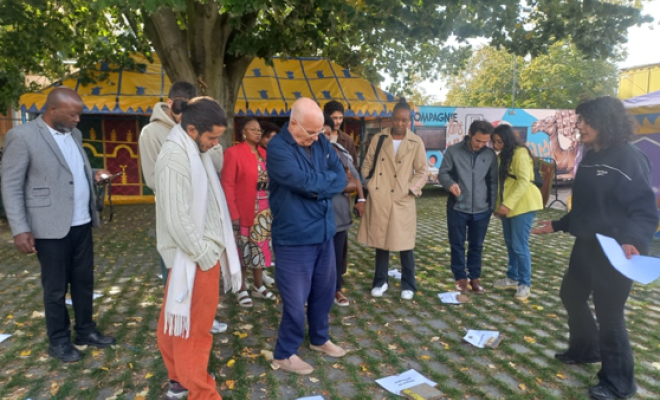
187,359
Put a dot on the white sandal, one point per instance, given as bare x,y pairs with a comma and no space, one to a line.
262,293
244,299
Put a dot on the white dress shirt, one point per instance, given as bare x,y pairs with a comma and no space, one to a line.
81,189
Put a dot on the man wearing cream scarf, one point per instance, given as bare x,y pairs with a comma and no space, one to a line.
192,228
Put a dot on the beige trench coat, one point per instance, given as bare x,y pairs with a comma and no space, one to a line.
390,220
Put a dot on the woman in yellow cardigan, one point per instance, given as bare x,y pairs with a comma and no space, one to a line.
518,201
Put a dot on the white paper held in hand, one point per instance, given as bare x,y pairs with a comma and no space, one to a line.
640,269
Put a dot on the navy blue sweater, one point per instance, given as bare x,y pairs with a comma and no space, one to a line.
302,186
612,195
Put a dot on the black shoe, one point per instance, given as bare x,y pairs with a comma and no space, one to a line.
96,339
65,352
601,392
568,359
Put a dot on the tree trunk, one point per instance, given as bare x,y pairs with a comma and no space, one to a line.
199,54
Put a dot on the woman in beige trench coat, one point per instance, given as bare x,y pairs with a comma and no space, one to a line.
390,220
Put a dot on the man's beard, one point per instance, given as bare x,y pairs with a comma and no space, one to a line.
61,128
198,140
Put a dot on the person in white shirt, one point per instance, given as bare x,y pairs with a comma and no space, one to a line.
47,185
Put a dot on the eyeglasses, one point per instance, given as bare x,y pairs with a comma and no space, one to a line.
255,130
305,130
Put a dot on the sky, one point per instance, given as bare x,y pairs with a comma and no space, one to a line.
642,48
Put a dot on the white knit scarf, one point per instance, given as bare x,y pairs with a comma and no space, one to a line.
182,273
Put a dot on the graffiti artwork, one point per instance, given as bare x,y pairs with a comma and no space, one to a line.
547,133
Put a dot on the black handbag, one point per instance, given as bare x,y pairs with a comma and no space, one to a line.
365,181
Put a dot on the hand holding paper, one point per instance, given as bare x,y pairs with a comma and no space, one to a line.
640,269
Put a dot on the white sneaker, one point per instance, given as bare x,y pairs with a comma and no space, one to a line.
523,292
505,283
378,291
218,327
266,279
407,294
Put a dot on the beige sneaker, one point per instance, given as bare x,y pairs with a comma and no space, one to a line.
523,292
506,283
293,364
330,349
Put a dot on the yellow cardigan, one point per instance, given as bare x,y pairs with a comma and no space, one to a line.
520,195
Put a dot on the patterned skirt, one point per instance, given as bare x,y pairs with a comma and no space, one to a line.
254,242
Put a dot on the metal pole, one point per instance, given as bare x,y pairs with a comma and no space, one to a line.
513,87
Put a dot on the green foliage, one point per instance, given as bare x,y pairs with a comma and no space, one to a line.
212,42
558,79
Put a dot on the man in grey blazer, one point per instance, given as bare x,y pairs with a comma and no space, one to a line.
47,190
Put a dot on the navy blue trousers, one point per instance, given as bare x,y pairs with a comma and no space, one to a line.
462,226
304,274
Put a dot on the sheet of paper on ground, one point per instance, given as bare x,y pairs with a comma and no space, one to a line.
394,273
640,269
449,297
96,296
396,383
311,398
480,338
4,336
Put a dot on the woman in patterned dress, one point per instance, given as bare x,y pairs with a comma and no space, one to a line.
245,183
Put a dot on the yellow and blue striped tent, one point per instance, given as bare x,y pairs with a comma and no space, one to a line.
265,90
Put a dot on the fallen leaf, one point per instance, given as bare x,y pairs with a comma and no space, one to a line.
539,380
38,314
11,316
130,365
560,376
435,338
245,327
54,388
552,316
268,355
230,384
656,365
96,353
313,380
522,386
529,339
445,344
231,363
425,357
491,366
391,346
149,375
26,353
540,308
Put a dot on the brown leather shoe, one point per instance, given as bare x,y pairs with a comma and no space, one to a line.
461,285
476,287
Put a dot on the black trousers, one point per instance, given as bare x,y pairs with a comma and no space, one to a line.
588,272
64,262
407,269
341,254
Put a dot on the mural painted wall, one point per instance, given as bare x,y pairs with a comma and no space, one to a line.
548,133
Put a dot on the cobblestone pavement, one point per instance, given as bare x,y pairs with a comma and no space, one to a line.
384,336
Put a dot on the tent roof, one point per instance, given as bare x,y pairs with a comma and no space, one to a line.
645,109
264,91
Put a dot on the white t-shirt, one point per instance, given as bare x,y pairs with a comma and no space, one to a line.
397,144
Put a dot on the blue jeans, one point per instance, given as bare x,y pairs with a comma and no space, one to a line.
305,273
457,225
516,236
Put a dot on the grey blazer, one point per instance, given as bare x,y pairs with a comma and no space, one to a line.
37,185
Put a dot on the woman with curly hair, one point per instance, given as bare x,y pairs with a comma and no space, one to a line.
612,195
518,201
